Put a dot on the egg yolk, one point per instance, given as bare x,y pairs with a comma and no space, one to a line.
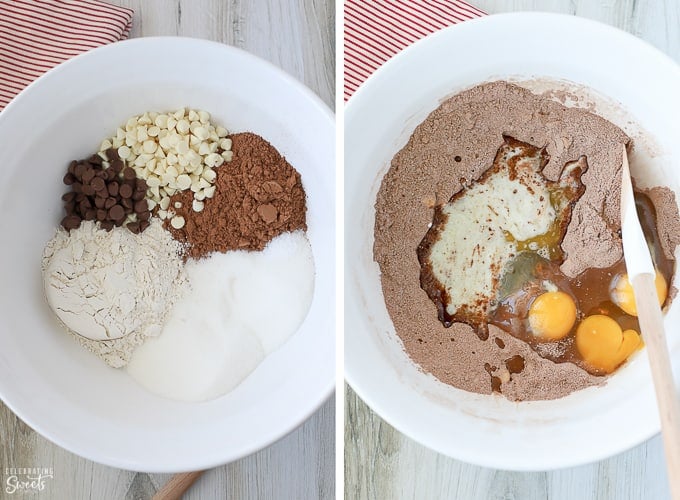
622,292
603,345
552,315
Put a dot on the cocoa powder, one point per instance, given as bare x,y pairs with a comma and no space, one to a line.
258,196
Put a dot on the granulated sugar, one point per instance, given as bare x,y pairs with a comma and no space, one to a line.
242,306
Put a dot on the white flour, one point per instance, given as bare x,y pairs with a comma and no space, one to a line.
112,289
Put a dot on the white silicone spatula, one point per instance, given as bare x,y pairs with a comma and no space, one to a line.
641,274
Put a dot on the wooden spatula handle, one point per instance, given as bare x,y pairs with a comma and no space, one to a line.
178,484
651,324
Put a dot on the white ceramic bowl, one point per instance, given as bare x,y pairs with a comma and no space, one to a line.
66,393
488,430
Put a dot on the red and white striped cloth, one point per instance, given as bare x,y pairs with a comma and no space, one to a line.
36,35
376,30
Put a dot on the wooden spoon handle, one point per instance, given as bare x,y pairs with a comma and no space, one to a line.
651,324
178,484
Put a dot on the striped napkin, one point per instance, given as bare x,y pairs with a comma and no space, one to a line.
36,35
375,30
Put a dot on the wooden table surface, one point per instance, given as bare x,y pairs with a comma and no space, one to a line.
382,463
298,36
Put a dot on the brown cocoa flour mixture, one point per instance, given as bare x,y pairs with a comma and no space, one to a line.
258,196
456,144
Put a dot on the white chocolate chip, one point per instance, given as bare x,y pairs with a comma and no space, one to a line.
209,191
124,152
178,204
165,203
183,181
177,222
209,175
197,206
182,127
150,146
161,121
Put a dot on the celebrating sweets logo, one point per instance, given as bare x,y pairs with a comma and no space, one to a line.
27,479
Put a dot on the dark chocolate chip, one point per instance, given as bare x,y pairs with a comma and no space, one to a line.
90,214
112,154
144,215
79,170
113,188
138,195
125,191
134,227
84,206
70,207
107,225
144,224
95,159
126,202
88,175
140,185
69,179
72,167
99,202
117,166
77,187
98,184
128,173
101,214
70,222
141,206
109,203
88,190
111,174
68,196
116,212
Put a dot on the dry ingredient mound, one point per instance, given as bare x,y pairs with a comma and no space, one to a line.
454,145
258,196
112,289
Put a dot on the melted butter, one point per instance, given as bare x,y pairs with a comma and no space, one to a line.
479,232
547,244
